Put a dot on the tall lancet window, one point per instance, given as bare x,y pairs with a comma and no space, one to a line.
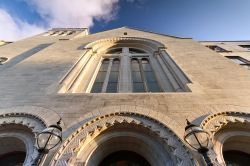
100,78
138,84
144,79
107,77
112,86
150,79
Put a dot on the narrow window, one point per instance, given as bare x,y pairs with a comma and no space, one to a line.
115,51
240,61
2,60
151,82
113,77
245,46
216,48
97,87
71,32
138,85
136,51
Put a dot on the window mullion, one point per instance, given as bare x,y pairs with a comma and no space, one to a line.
143,76
105,84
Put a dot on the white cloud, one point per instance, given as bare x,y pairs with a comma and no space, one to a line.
58,13
14,29
74,13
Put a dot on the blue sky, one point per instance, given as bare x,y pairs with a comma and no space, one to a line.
199,19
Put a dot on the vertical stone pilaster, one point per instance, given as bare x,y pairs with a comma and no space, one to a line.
105,84
125,81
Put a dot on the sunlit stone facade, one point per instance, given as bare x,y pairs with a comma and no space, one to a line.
123,92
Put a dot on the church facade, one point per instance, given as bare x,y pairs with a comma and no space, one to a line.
123,97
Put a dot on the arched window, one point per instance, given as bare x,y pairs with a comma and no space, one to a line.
143,77
115,51
125,67
136,51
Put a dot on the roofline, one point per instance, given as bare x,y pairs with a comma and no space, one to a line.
144,31
226,41
68,29
158,33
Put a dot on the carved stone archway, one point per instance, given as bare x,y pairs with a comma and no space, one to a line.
215,122
224,126
75,144
23,122
23,127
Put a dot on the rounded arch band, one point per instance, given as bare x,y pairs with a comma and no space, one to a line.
68,152
216,124
23,122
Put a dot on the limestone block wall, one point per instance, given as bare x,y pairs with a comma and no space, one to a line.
31,79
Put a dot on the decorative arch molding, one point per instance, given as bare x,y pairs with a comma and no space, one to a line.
67,154
215,122
30,117
30,121
42,115
148,112
146,43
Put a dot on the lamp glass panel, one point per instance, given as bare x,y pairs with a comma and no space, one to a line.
42,140
197,138
203,138
49,138
54,140
192,141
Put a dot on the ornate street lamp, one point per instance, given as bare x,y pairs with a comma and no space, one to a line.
198,139
46,140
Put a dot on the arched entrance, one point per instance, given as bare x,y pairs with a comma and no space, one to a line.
130,138
236,149
109,135
124,158
234,157
12,151
231,137
17,138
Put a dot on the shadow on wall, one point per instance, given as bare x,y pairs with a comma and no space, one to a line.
24,56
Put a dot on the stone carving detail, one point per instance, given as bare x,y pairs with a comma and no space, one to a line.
69,149
30,121
217,121
116,39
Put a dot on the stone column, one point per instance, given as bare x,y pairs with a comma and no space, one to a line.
125,81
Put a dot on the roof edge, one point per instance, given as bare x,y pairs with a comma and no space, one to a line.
223,41
142,31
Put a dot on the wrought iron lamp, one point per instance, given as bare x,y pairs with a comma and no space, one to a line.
46,140
199,140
